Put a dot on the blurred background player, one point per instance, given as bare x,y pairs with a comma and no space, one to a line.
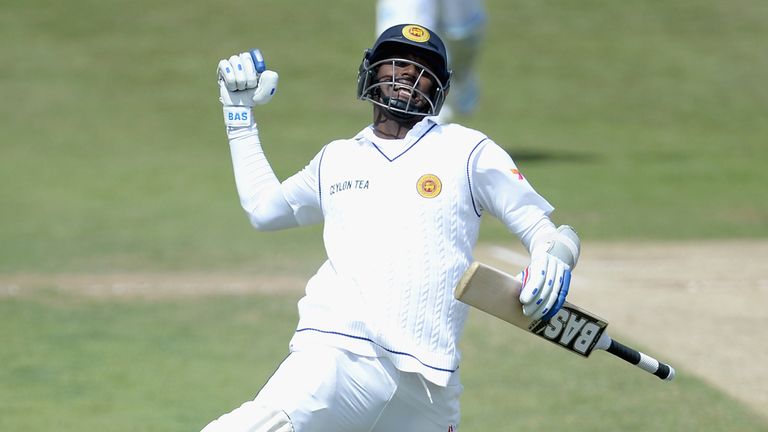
461,23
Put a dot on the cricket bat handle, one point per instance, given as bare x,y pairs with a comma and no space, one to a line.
635,357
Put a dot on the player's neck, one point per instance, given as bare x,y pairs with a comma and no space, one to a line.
388,127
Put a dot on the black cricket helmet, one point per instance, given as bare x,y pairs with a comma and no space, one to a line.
389,48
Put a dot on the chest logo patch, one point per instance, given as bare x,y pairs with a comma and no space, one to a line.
429,186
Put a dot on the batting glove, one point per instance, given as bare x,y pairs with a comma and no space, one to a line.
244,81
547,279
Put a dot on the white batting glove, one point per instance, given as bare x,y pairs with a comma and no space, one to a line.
244,81
547,279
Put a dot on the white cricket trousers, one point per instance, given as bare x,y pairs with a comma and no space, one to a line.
325,389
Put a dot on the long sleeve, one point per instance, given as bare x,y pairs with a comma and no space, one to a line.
260,192
502,190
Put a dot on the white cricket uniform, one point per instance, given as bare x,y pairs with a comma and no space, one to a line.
401,218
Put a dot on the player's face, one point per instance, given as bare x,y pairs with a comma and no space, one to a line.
405,76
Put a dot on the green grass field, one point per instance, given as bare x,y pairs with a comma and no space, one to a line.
173,366
637,120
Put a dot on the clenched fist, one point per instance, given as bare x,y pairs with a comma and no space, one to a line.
244,81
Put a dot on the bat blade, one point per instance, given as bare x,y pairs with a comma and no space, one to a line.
497,293
492,291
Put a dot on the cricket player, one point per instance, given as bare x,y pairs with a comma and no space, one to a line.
462,25
376,345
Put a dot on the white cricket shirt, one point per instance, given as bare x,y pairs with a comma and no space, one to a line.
401,218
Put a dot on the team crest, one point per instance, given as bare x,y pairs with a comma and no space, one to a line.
429,186
416,33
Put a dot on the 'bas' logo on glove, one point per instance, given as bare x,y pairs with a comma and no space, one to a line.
237,116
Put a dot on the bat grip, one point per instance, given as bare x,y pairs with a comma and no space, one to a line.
641,360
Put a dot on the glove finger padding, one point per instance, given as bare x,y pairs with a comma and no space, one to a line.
556,270
258,60
542,292
560,297
533,283
226,74
249,71
239,72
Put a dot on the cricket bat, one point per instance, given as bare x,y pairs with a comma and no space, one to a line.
496,292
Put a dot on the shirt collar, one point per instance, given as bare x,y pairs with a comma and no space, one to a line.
414,134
